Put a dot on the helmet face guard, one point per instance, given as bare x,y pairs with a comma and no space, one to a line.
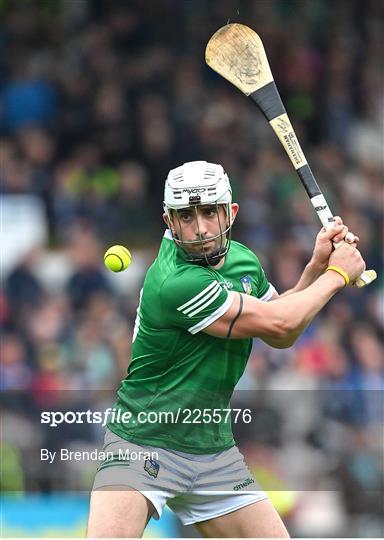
194,185
203,256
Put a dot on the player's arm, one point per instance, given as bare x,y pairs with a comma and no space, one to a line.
280,323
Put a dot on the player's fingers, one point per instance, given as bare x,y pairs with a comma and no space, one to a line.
348,248
335,228
342,235
350,238
338,220
333,231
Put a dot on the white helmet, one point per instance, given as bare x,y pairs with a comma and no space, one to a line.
194,184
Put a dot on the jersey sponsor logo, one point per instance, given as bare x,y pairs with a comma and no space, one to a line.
152,467
201,300
244,484
247,284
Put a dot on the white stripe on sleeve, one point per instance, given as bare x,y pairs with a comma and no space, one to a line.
207,303
199,302
213,316
198,296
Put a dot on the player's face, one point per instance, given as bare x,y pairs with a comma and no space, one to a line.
201,228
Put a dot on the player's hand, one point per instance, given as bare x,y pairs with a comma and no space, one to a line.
325,239
348,258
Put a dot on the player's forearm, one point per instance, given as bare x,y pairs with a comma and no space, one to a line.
311,272
295,311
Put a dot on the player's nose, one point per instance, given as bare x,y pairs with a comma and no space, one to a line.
201,226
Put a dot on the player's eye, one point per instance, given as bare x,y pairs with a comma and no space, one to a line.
185,216
210,212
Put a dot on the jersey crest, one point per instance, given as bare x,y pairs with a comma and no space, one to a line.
247,284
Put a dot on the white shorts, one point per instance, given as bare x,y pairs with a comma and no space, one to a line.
195,487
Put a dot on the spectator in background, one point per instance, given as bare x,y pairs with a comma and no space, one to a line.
15,371
87,278
27,98
84,189
131,208
23,291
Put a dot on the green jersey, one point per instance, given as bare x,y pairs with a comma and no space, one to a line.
180,379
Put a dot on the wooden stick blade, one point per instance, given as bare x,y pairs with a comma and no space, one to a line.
237,53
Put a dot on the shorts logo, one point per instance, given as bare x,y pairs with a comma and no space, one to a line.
151,467
244,484
246,283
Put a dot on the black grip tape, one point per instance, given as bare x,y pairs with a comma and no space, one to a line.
308,180
268,99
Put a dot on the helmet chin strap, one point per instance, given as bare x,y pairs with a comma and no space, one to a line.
211,260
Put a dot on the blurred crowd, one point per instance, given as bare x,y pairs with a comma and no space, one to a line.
98,100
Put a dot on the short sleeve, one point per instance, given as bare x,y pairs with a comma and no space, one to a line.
265,289
193,299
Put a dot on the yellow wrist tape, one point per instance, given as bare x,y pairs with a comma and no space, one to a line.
341,272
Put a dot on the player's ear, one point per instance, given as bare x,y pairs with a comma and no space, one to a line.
234,209
167,222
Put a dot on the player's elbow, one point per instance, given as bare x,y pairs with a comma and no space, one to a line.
283,328
283,343
280,340
283,334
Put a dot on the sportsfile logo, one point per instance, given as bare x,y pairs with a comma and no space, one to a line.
244,484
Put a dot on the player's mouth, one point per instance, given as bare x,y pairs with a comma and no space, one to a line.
209,244
204,247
